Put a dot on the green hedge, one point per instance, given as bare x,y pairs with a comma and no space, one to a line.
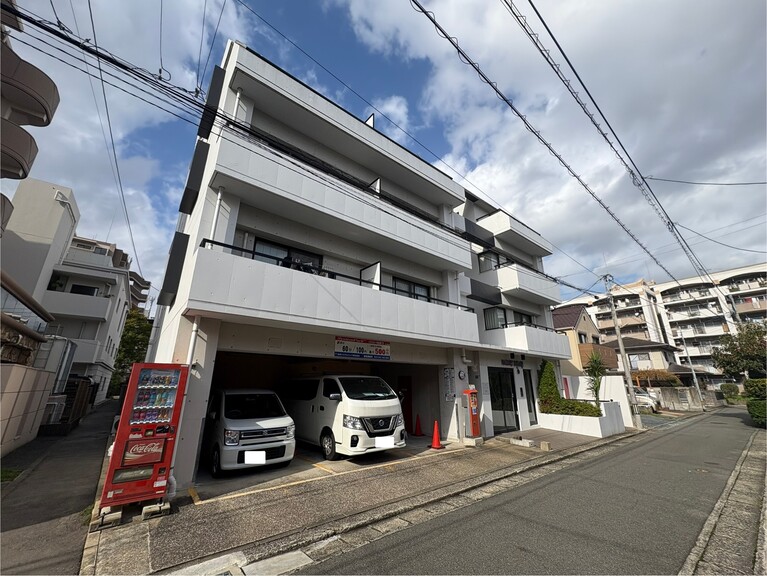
552,403
729,390
757,408
756,388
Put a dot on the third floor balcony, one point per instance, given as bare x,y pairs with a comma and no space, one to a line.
272,181
528,338
519,282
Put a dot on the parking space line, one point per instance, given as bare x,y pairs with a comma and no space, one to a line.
328,470
306,481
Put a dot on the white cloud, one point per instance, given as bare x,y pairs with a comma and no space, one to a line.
683,87
395,122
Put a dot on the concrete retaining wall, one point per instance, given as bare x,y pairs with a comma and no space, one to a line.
607,425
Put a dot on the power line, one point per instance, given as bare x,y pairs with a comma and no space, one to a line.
199,52
705,183
223,120
722,243
114,150
162,68
467,60
212,42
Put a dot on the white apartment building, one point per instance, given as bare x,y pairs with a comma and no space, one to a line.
691,314
309,242
84,284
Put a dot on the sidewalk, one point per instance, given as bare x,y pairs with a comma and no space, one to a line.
49,502
244,527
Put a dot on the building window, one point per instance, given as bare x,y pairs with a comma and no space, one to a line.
522,318
634,360
85,290
410,289
582,338
495,318
58,282
491,261
99,250
595,339
273,253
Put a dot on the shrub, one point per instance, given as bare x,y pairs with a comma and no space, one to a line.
756,388
552,403
757,409
729,390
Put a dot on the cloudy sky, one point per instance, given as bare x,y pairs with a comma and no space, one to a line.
682,83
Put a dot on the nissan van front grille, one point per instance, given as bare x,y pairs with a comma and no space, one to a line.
379,425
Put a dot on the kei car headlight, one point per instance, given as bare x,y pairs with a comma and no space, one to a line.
352,422
231,437
291,431
399,421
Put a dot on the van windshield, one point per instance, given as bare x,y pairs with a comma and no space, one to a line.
367,388
248,406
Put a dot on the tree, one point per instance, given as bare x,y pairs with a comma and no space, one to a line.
595,369
744,351
133,345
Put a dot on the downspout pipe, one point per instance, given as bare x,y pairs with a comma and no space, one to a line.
214,224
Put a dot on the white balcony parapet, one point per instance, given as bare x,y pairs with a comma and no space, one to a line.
531,339
514,232
269,180
237,289
514,280
76,305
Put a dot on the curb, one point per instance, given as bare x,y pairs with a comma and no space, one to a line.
93,539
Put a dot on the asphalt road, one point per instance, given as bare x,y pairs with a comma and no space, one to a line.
636,510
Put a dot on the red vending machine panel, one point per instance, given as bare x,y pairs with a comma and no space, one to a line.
143,450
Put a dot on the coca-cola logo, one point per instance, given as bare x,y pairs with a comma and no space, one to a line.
148,448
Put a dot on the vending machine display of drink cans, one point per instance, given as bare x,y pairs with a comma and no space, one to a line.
139,468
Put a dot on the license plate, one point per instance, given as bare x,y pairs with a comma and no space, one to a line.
385,442
255,457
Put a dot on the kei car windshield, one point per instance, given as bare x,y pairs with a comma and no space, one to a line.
368,388
244,406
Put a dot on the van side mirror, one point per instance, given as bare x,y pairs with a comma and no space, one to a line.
335,396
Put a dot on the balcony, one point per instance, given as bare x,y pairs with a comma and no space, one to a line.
273,182
686,314
87,351
609,357
518,282
32,95
513,232
237,289
529,338
19,151
76,305
624,322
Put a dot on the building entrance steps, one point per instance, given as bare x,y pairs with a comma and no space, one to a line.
285,514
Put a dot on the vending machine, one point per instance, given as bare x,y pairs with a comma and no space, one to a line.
139,467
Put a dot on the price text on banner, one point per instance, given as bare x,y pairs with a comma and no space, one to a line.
361,348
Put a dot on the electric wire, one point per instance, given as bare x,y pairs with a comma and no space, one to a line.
114,149
198,88
636,176
467,60
212,43
705,183
721,243
228,121
162,68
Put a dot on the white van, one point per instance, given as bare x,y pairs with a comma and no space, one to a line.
345,414
248,428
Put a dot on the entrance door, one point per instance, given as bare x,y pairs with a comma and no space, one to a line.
530,398
503,400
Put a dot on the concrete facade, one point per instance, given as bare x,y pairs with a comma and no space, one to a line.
302,228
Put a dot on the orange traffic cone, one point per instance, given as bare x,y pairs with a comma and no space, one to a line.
435,443
417,426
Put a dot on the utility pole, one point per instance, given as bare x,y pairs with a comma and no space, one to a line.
692,369
626,366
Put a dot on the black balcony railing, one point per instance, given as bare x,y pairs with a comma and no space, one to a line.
309,268
513,324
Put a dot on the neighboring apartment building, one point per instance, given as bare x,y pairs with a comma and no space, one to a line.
29,363
309,242
690,315
574,321
85,284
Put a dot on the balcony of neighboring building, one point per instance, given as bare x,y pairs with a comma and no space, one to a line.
519,282
513,232
270,180
32,97
749,284
625,321
77,305
623,303
713,329
243,286
19,151
688,312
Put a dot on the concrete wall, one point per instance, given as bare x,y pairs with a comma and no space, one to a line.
609,424
680,399
613,389
25,392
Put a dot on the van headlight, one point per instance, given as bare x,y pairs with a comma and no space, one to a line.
399,420
352,422
231,437
291,431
